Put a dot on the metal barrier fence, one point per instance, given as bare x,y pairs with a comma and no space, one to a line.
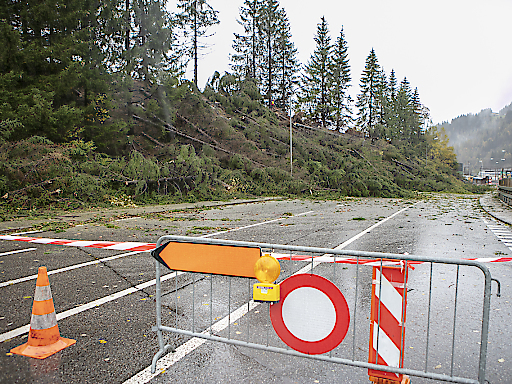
447,309
505,191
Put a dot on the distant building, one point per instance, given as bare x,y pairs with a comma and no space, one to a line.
481,180
494,175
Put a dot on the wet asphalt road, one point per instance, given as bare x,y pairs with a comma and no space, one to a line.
115,341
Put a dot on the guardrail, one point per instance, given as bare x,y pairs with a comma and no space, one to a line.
505,191
447,338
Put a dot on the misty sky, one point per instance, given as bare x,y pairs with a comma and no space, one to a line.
457,52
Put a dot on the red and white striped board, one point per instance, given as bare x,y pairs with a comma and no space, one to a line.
388,307
137,246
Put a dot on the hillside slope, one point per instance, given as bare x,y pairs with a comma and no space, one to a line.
182,144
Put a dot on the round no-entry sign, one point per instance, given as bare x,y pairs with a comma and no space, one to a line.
312,315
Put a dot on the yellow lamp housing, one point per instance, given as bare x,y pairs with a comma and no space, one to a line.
267,269
264,292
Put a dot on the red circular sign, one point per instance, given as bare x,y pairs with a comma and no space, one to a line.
312,315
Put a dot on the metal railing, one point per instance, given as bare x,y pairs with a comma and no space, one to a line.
505,191
447,310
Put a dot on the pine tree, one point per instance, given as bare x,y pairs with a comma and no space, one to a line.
367,100
316,80
340,70
195,18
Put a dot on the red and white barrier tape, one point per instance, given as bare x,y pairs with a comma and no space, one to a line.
136,246
113,245
373,262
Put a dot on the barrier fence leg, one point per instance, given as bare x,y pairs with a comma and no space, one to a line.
387,323
162,348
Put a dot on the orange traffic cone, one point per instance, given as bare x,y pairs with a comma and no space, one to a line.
44,338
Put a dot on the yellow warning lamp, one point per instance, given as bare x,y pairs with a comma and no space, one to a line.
266,270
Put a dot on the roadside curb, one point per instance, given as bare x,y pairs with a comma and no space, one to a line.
70,217
496,208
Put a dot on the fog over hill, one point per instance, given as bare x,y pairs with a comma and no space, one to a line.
483,140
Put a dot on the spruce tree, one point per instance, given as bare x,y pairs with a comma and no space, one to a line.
367,100
405,113
270,18
341,101
154,39
316,80
138,38
393,130
380,129
41,65
195,18
247,46
417,110
287,65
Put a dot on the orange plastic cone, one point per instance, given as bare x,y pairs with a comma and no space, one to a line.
44,338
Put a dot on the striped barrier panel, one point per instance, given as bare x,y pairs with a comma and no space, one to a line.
387,320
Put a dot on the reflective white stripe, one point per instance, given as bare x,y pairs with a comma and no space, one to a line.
387,349
43,321
9,237
394,284
390,297
43,293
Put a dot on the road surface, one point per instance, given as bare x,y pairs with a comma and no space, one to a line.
106,298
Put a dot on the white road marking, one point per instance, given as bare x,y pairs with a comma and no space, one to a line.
128,218
71,267
502,232
255,225
25,233
351,240
17,251
84,307
183,350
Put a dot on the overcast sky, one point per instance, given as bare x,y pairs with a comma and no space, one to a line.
457,52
